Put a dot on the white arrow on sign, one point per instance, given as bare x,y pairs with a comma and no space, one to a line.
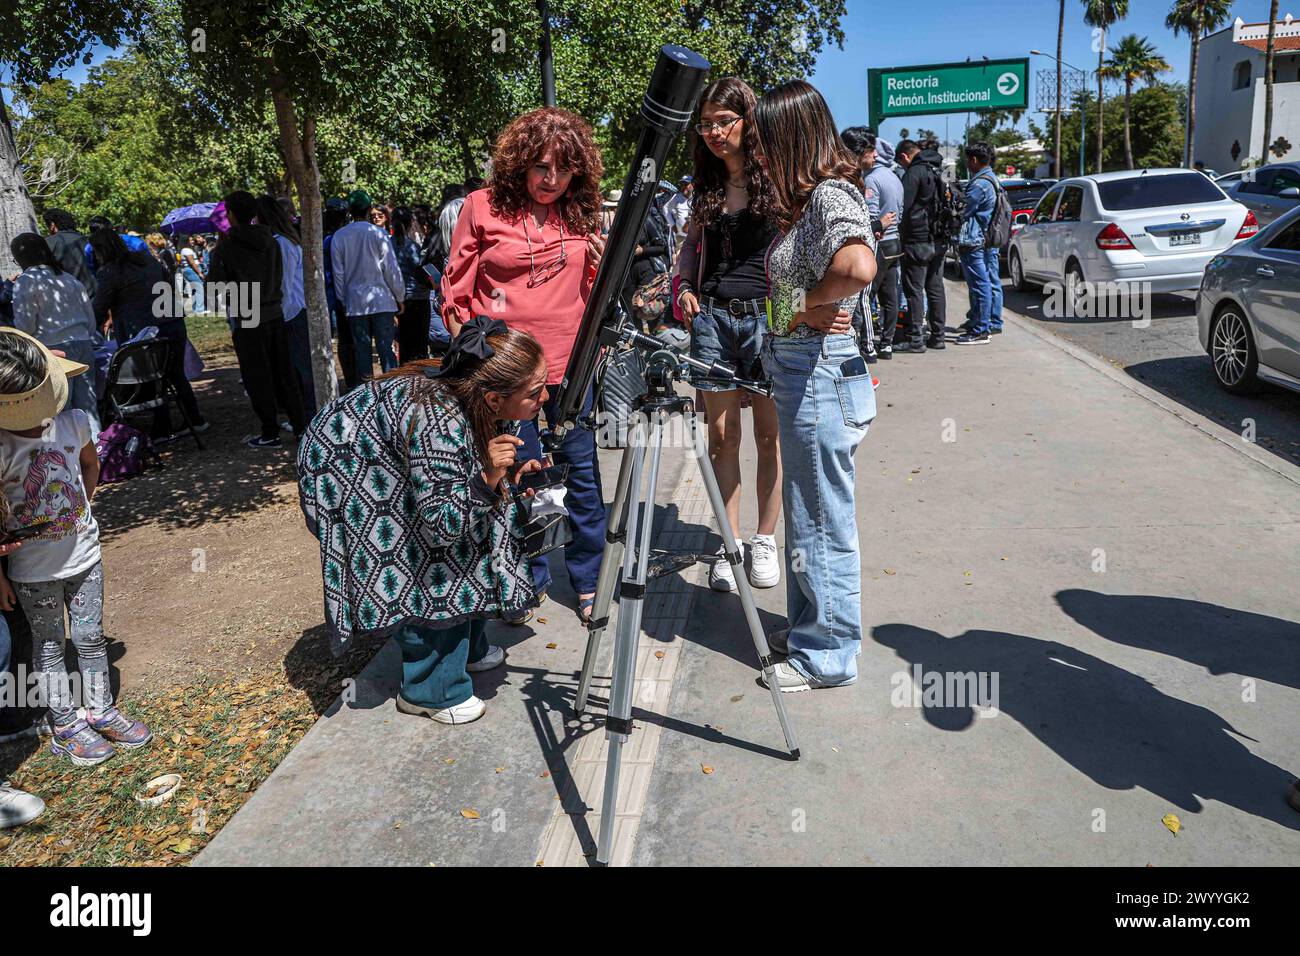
1008,83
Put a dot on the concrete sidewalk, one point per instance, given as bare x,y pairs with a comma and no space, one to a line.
1126,575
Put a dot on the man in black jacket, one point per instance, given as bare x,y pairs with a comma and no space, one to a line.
245,272
922,254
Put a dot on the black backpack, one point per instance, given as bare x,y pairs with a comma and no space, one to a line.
998,234
946,211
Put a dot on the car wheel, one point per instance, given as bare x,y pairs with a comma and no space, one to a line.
1233,354
1016,269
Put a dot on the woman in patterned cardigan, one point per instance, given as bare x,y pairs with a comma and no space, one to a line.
404,482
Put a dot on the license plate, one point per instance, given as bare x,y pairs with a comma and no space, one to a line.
1185,239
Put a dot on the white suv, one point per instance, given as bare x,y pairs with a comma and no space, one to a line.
1151,228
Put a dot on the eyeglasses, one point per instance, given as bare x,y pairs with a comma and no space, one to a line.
547,270
724,128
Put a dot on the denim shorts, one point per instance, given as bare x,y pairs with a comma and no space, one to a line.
733,340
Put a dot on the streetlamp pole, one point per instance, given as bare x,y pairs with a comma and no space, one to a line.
548,65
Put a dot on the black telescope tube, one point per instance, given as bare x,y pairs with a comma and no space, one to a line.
666,112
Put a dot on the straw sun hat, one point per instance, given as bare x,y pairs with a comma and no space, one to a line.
22,410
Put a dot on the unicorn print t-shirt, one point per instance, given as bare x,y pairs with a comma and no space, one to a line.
43,485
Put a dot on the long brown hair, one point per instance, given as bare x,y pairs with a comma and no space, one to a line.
710,177
802,149
517,356
522,144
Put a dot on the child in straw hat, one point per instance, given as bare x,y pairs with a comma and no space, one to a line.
49,469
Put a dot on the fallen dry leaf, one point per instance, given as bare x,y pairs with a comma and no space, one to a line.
706,768
1172,822
470,814
552,646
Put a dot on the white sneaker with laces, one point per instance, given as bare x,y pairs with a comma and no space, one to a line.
18,807
721,577
764,566
791,681
787,678
494,657
462,713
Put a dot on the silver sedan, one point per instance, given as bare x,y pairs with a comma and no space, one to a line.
1248,309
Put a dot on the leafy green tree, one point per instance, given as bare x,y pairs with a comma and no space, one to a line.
1196,18
1101,15
1133,59
1156,122
38,37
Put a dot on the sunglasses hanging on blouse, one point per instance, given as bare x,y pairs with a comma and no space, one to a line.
539,274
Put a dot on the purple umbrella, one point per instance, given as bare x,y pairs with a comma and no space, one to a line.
188,220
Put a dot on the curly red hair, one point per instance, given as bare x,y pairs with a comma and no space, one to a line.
522,143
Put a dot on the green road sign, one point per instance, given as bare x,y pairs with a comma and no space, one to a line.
947,88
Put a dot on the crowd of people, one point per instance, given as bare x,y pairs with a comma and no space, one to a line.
781,255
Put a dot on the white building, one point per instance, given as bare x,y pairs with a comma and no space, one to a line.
1230,94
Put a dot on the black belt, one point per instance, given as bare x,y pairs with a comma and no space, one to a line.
736,306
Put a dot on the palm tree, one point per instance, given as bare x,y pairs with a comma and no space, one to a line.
1197,18
1101,15
1268,81
1133,59
1060,40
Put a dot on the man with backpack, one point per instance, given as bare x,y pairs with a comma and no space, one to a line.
986,224
923,245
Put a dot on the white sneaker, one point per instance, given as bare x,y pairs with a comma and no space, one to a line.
721,577
787,678
764,567
494,657
791,681
17,807
462,713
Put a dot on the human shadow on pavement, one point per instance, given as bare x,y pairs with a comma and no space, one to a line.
1223,640
1110,724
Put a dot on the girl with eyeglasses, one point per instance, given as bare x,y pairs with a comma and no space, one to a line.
721,295
525,250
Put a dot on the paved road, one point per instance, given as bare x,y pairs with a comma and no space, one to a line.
1167,356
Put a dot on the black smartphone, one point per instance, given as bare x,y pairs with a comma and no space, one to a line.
854,366
536,480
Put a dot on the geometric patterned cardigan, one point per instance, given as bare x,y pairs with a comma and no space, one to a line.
409,532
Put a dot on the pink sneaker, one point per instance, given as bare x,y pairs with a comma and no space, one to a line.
115,726
80,744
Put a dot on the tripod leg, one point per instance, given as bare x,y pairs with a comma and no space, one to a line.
610,563
618,722
736,559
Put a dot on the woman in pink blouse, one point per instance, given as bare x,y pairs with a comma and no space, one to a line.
525,250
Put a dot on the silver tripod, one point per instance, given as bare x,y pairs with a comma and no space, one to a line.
630,521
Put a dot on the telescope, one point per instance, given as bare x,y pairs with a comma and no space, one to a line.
666,112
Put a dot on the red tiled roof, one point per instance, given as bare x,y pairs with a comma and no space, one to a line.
1279,43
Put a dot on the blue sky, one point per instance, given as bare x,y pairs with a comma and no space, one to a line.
883,34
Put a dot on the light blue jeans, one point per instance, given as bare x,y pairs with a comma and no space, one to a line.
823,416
985,286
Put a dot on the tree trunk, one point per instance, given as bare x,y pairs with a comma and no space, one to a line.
1060,39
467,156
17,214
1128,140
1101,98
299,146
1268,81
1190,160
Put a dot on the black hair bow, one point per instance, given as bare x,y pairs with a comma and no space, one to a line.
470,343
